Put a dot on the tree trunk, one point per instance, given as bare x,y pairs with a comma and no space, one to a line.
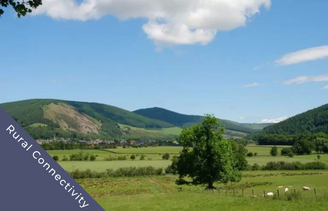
210,186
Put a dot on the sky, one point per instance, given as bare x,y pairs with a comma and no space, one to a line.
250,61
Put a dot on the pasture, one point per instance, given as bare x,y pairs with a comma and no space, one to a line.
161,193
153,157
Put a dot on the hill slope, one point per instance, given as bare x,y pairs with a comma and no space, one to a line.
66,118
182,120
312,121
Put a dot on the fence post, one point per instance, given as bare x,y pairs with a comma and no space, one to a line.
278,193
315,193
264,193
294,190
252,192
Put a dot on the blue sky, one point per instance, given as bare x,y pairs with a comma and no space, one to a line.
261,61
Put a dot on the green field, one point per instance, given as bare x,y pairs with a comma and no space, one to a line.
161,193
154,157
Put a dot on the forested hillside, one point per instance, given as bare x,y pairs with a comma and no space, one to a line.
48,118
309,126
312,121
182,120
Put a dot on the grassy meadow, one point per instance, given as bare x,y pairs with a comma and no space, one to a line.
153,157
161,192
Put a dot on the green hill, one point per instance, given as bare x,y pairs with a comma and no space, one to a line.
312,121
46,118
182,120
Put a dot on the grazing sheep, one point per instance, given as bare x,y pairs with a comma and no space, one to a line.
269,194
286,190
306,188
280,186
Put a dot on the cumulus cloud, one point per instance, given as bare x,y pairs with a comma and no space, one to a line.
305,55
241,118
276,120
307,79
251,85
169,22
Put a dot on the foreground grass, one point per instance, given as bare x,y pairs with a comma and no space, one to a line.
161,193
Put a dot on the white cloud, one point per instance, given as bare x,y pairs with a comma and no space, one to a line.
241,118
251,85
325,87
276,120
306,79
169,22
305,55
257,67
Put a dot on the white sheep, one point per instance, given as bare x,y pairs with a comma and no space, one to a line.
280,186
286,190
306,188
269,194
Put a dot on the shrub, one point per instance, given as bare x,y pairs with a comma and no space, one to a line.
93,157
121,172
132,157
318,156
65,158
166,156
250,154
274,151
256,167
255,153
142,157
286,151
282,165
123,157
56,158
290,154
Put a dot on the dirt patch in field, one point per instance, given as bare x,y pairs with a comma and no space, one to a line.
70,119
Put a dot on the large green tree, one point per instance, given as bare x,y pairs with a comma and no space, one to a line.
21,7
206,156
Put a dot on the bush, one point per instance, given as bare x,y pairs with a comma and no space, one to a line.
255,154
132,157
56,158
286,151
250,154
142,157
121,172
290,154
256,167
79,157
282,165
123,157
65,158
93,157
166,156
274,151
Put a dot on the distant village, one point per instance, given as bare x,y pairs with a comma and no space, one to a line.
61,142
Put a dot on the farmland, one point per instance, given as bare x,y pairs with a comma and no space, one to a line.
153,157
161,192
